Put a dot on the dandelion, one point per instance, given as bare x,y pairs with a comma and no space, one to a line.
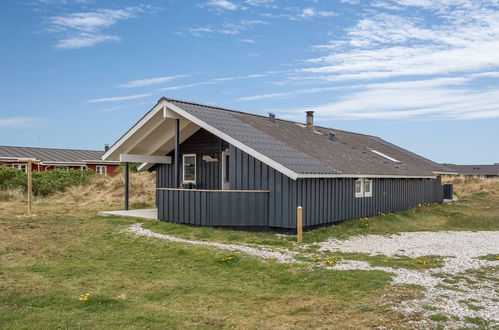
316,259
422,262
331,261
271,250
84,297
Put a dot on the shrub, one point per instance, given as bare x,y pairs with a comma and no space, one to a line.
44,183
11,178
132,167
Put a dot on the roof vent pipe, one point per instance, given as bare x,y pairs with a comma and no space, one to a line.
310,118
106,147
271,117
332,136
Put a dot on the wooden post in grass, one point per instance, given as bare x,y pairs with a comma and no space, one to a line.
299,224
30,184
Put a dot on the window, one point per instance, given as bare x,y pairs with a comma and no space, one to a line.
225,170
21,167
189,166
100,169
363,188
358,188
83,167
368,188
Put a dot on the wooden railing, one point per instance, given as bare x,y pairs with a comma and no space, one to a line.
243,208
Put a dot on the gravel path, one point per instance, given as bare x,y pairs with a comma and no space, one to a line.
452,290
284,257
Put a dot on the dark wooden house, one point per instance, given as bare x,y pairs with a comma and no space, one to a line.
220,167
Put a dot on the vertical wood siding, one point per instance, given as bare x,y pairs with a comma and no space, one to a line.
212,208
324,200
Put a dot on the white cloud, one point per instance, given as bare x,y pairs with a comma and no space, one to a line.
222,4
440,98
150,81
227,28
21,122
384,46
119,98
248,41
84,40
312,12
84,29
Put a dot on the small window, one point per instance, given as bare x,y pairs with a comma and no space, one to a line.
189,166
83,168
21,167
368,188
101,169
359,192
227,168
363,188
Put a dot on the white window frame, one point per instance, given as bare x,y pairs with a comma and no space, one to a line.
99,172
21,167
363,192
370,192
83,167
225,165
184,156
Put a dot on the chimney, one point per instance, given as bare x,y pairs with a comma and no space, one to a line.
271,117
310,118
332,136
106,147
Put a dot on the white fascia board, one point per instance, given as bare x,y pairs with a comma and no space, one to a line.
131,158
97,161
445,173
158,107
369,176
144,167
168,113
54,163
264,159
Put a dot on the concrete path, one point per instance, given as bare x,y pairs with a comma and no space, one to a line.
142,213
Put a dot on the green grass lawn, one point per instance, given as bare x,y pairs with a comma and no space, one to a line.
136,282
47,263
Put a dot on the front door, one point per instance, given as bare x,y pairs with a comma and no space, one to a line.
225,170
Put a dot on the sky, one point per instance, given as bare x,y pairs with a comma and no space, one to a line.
422,74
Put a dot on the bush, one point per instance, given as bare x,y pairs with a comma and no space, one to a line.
44,183
11,178
132,167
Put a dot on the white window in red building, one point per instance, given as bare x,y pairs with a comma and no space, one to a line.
101,169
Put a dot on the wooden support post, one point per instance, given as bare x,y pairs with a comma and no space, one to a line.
299,224
177,153
126,174
30,185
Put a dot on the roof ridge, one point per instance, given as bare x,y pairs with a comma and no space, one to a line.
258,115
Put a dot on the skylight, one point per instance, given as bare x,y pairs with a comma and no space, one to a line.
385,156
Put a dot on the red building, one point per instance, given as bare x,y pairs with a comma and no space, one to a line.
50,159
